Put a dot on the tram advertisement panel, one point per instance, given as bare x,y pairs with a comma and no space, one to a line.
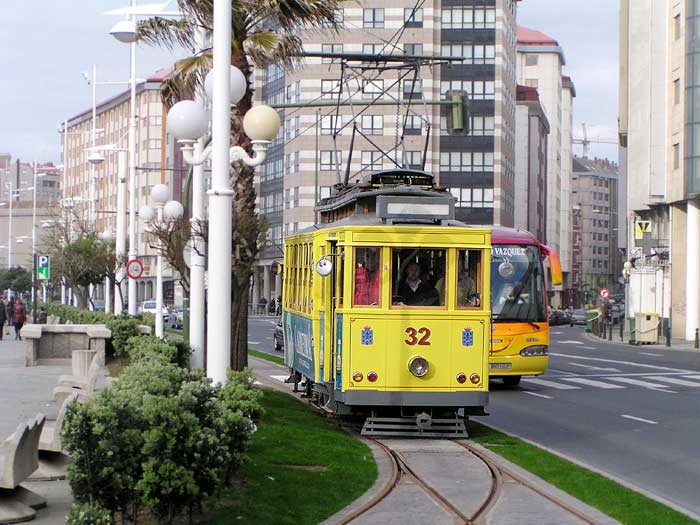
298,344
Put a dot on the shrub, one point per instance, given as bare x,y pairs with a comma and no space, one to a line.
88,514
142,346
123,328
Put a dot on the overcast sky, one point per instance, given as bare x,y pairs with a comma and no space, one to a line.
46,44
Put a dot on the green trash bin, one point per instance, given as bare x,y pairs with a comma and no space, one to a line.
633,330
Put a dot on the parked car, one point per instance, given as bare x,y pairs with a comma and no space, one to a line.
149,307
579,316
279,337
176,317
617,312
98,305
558,317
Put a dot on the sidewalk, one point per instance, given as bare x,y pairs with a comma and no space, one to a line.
676,344
25,392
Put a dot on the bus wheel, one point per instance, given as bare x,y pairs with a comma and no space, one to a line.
511,380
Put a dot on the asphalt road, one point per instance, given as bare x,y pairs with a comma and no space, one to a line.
632,413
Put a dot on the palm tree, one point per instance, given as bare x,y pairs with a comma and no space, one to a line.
263,32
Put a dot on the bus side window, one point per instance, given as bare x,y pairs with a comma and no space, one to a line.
469,278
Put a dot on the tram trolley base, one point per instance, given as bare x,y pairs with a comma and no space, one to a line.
421,425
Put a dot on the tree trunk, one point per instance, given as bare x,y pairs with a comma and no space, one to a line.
81,292
239,325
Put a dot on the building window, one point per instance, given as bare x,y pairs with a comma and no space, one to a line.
412,89
531,60
330,124
676,156
325,192
273,72
481,126
677,27
372,89
413,17
477,89
372,49
330,89
371,160
329,160
373,18
413,49
473,197
469,18
531,82
414,125
413,160
466,161
372,124
331,48
472,54
677,91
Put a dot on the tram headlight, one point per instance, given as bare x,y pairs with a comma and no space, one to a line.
418,366
535,351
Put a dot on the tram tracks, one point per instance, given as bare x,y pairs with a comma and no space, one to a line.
477,511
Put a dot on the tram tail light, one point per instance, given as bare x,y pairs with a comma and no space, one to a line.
461,378
475,378
357,377
372,377
537,350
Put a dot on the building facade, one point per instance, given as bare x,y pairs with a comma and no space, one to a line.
157,160
540,62
596,261
532,131
311,153
659,90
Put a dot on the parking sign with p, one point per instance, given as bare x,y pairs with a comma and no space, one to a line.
43,267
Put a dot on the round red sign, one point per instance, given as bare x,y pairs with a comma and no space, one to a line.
605,293
134,269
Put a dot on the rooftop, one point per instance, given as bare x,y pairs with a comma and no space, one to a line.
532,37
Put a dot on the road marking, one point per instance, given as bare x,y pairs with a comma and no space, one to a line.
591,367
630,363
281,379
253,342
538,395
591,382
693,377
649,421
590,348
570,342
552,384
676,381
556,333
563,372
636,382
655,355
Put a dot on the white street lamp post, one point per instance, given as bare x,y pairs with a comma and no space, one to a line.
108,235
186,121
168,210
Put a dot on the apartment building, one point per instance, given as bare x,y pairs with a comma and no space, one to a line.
158,160
659,117
540,60
311,153
597,262
531,135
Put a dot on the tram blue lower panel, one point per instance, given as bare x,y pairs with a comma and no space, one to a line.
299,344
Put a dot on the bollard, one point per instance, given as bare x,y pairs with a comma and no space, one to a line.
611,330
697,335
622,329
668,335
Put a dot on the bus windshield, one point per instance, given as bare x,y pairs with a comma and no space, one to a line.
517,284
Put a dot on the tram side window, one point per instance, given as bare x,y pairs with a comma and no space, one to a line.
367,277
416,276
469,278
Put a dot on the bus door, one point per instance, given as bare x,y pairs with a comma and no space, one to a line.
335,319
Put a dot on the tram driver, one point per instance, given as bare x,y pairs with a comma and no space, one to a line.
413,291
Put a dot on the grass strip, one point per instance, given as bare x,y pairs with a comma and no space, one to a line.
623,504
266,357
301,469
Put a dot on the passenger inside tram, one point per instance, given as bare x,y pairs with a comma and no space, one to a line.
413,271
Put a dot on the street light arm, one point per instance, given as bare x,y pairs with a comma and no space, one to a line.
260,148
189,155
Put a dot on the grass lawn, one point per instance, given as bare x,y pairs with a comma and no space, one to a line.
266,357
625,505
301,469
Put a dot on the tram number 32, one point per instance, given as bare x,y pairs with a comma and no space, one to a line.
420,337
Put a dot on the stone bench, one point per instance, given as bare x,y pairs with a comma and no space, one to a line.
49,343
19,458
86,363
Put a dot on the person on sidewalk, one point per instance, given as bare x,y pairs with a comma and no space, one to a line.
3,315
19,316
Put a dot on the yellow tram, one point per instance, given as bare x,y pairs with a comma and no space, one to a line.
386,307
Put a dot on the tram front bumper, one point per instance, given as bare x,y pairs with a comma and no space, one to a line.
412,399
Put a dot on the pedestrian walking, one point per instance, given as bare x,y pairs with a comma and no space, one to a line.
10,306
19,316
4,315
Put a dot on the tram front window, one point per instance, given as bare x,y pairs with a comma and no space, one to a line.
367,277
517,284
415,274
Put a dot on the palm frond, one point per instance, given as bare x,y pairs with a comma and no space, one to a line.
166,33
267,47
291,15
186,76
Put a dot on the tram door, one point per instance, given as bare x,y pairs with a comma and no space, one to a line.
335,319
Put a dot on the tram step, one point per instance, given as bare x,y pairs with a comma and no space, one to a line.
409,426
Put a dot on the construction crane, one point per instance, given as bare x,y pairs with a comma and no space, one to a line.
586,142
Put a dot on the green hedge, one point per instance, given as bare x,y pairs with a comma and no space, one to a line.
83,316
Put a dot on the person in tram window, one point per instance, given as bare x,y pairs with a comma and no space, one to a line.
367,277
415,292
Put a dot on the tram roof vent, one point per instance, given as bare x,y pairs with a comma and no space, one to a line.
402,208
